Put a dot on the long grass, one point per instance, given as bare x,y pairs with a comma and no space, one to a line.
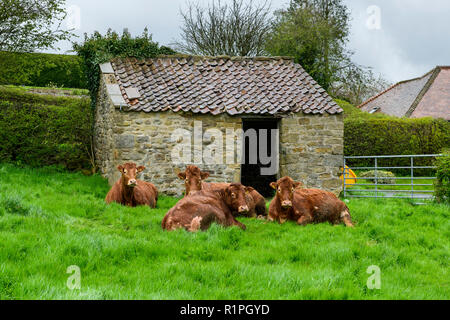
51,219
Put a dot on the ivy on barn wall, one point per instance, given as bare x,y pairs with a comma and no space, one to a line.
98,49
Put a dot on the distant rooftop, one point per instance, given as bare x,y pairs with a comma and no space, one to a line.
426,96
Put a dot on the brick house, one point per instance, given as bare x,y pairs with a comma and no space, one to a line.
142,102
427,96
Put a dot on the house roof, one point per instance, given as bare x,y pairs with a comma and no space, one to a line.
215,85
436,100
425,96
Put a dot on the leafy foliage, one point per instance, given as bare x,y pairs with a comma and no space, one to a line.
41,70
44,130
349,109
237,29
27,25
442,186
97,49
368,135
387,175
315,33
357,84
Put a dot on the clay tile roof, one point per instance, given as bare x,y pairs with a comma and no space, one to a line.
427,96
233,85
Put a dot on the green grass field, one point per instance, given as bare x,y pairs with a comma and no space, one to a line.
51,219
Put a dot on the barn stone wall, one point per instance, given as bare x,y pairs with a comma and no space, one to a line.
146,138
311,150
103,132
311,146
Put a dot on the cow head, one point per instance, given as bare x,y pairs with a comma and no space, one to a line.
129,172
235,198
193,178
285,188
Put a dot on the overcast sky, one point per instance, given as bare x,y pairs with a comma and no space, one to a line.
409,38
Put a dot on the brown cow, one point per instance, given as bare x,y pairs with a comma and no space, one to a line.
199,210
193,178
306,205
131,192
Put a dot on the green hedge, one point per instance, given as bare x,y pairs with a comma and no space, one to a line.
45,130
442,186
365,136
41,70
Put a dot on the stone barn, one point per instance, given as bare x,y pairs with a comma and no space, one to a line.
143,104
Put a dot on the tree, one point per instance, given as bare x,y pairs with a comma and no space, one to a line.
315,33
237,29
357,84
98,48
27,25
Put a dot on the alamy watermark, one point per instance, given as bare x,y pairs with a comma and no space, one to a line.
73,18
374,281
212,148
74,280
373,22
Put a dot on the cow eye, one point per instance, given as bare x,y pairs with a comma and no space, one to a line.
187,180
233,195
293,189
125,171
279,189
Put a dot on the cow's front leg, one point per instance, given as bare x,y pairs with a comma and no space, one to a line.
238,224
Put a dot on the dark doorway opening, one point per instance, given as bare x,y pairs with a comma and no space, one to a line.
257,140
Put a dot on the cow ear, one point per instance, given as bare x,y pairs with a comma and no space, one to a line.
248,189
182,175
273,185
298,185
204,175
140,169
120,168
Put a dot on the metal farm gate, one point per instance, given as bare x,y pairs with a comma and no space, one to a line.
405,189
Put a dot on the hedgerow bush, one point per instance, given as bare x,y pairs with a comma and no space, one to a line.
41,70
395,136
376,135
384,177
442,185
98,49
42,130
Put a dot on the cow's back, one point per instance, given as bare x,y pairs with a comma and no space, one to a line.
145,193
323,205
214,186
194,212
198,211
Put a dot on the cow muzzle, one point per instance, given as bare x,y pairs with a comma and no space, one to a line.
286,204
243,209
132,183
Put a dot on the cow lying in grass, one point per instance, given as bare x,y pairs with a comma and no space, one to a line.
131,192
199,210
305,206
193,179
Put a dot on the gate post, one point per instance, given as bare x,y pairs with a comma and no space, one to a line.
345,187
